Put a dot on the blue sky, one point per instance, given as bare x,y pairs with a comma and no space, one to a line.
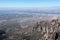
29,3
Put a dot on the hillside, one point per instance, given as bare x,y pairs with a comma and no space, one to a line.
44,30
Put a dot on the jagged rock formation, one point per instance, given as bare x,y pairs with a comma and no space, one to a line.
47,30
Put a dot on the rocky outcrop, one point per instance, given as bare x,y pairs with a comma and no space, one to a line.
47,30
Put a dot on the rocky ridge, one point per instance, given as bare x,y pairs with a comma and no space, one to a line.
47,30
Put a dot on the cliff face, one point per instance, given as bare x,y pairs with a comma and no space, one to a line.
47,30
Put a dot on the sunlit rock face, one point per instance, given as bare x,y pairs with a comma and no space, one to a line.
48,29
